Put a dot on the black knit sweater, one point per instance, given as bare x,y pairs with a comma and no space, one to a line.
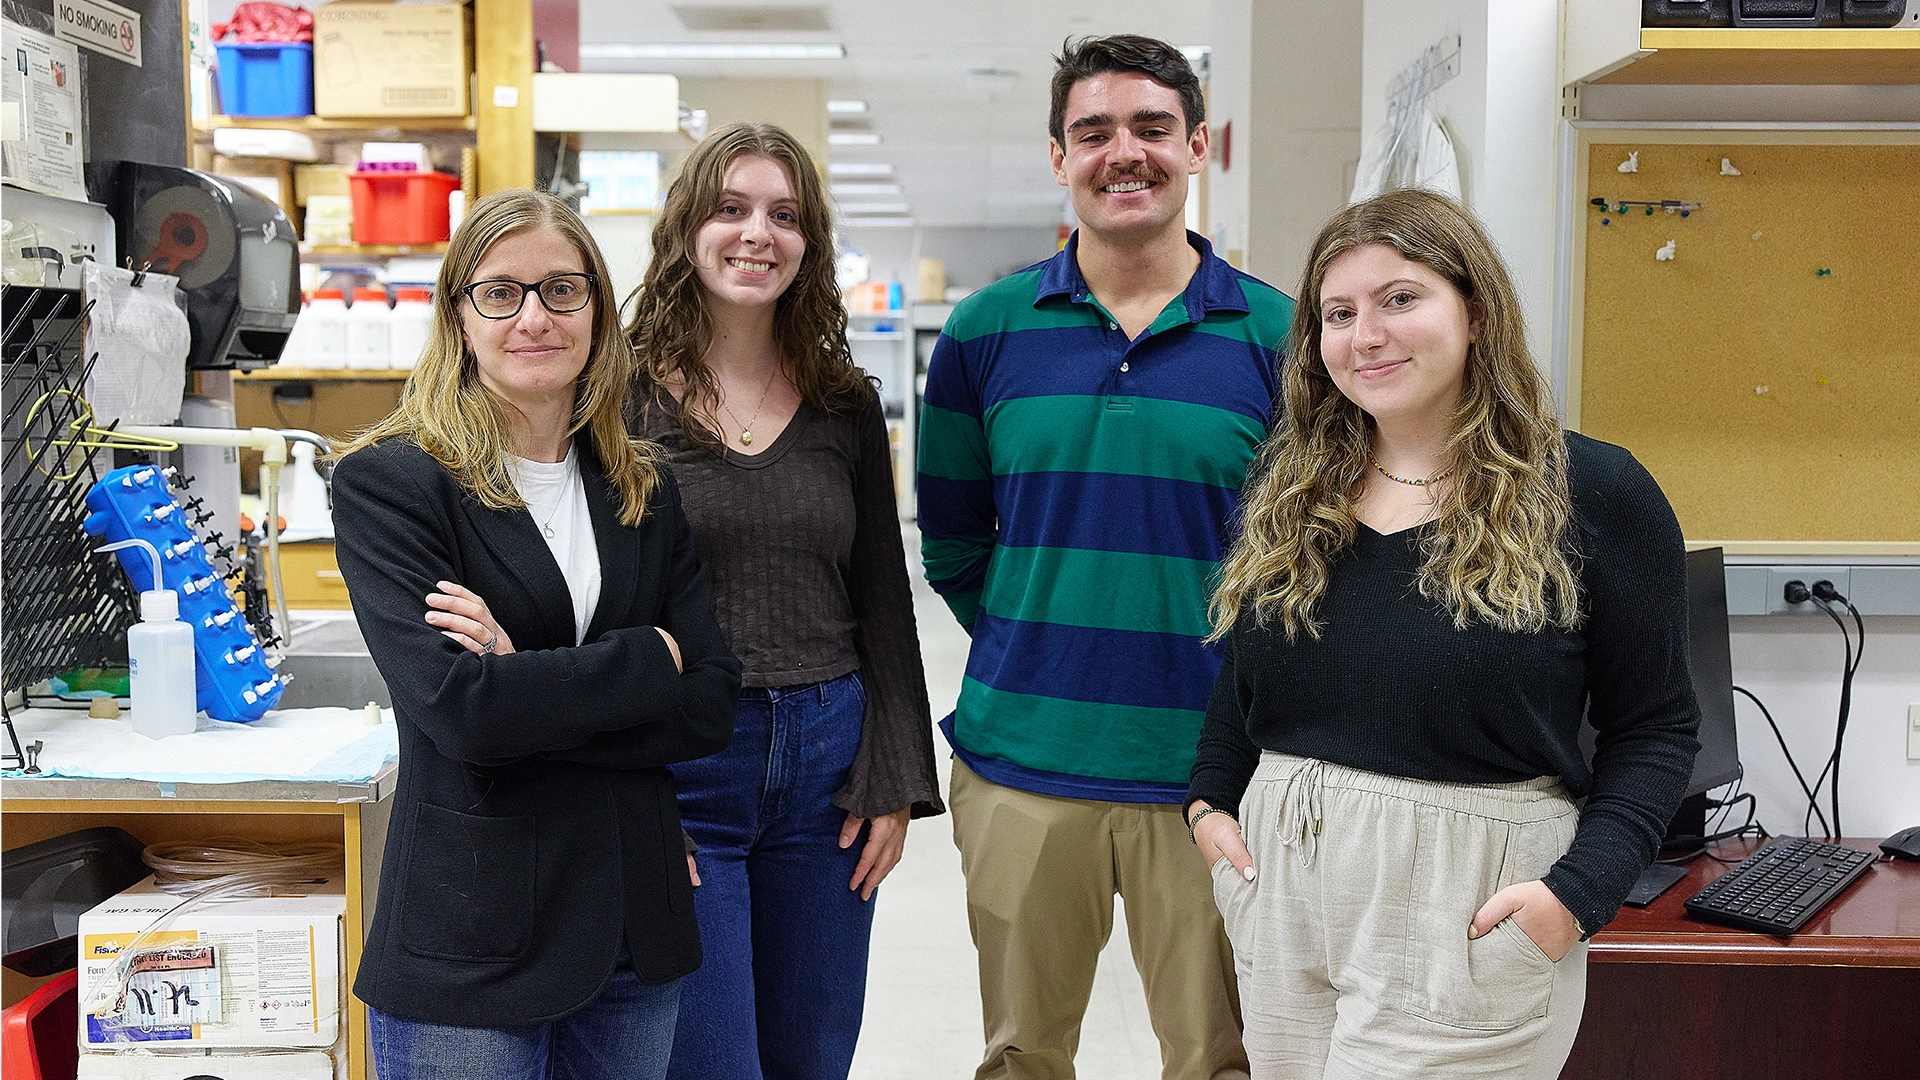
1392,687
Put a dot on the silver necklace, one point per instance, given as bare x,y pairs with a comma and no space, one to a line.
566,494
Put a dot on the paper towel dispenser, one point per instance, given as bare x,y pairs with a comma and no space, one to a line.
233,250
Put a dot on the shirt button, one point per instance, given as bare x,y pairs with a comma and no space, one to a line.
1113,326
1124,366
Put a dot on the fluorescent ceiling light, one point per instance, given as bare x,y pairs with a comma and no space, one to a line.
988,81
708,50
853,138
859,168
856,209
842,190
877,223
846,107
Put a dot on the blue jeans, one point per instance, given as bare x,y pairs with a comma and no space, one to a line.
625,1033
784,980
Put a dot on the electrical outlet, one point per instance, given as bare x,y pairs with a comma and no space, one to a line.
1913,732
1778,576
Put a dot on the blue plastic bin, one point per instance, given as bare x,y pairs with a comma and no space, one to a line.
266,79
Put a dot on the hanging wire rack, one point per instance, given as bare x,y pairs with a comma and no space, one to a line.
64,608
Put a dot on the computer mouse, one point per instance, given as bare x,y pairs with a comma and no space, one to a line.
1904,844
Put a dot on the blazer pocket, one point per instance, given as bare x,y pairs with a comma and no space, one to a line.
469,886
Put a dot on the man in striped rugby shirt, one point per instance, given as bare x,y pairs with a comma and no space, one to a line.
1088,424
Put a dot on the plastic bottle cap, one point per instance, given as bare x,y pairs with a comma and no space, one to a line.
329,294
421,295
379,295
159,605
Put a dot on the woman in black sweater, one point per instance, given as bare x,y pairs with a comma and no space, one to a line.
1434,582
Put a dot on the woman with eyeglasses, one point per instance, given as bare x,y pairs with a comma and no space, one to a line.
778,440
525,580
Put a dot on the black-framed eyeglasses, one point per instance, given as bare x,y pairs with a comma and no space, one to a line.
502,298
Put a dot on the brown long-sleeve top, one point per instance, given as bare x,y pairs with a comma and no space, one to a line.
802,542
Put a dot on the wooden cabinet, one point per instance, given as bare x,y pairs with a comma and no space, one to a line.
312,576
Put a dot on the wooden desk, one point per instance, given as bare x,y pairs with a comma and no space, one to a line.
354,815
1672,997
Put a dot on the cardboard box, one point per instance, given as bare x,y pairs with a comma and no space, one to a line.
385,59
271,177
311,180
248,973
306,1065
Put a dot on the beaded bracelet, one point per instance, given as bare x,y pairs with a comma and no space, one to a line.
1195,820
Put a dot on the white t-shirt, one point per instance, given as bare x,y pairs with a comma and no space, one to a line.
558,502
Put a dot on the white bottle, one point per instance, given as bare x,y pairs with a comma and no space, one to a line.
369,342
160,673
293,353
412,317
326,319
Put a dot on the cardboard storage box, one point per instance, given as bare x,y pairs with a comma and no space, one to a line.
384,59
239,1065
311,180
256,973
271,177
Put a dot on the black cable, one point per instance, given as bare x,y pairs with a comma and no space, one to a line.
1824,595
1707,841
1799,776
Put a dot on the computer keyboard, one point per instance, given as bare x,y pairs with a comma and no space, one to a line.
1778,888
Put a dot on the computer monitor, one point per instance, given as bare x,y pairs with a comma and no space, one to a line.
1719,760
1718,763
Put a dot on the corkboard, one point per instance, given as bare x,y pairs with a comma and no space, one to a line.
1771,401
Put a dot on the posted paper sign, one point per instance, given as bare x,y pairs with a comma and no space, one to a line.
102,27
41,85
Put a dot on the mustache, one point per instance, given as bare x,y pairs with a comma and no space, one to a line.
1142,171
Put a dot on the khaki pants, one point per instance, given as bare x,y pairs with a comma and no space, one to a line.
1351,943
1041,875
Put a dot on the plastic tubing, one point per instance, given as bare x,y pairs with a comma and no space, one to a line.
153,557
207,873
273,450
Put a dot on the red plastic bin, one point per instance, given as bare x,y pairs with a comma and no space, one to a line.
37,1036
401,207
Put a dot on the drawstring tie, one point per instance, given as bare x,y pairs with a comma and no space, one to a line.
1300,810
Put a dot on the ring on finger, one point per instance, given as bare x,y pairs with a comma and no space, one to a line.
487,649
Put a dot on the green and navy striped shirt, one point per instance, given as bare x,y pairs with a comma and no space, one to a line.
1077,491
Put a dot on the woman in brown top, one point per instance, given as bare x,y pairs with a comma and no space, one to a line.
780,450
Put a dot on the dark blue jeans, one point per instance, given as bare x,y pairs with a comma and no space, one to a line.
780,993
623,1034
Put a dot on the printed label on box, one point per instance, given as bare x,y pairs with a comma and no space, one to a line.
287,999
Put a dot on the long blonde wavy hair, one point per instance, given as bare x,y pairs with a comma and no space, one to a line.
1499,550
451,414
671,328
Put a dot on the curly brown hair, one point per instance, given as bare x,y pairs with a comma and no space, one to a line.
671,328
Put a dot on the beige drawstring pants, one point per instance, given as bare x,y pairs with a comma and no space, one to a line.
1351,943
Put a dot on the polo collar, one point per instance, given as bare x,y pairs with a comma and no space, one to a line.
1214,287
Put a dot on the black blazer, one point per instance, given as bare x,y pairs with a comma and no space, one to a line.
533,824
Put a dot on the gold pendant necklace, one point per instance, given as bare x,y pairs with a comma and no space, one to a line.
746,429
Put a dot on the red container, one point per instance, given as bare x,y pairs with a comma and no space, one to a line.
401,207
37,1036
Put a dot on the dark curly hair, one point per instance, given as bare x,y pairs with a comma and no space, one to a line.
671,328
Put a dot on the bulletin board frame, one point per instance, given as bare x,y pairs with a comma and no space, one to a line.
1586,136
